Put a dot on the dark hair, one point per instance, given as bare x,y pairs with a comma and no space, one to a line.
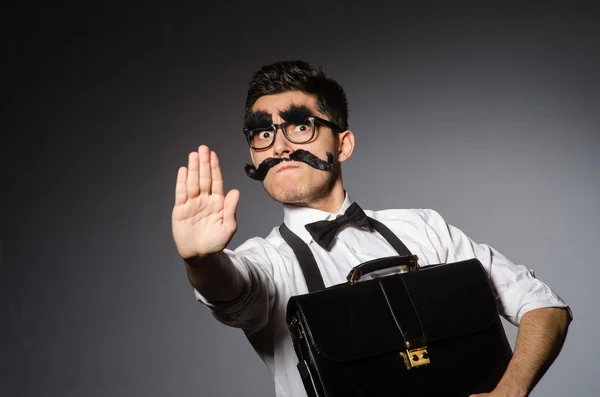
286,76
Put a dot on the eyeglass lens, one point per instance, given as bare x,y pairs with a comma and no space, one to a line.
295,133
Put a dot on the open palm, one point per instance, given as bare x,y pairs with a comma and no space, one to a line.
203,219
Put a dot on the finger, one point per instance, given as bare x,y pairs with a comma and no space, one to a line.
217,176
180,187
205,180
192,187
230,205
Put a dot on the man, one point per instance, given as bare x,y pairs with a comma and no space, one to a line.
296,127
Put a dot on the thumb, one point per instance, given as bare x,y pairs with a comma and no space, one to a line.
230,205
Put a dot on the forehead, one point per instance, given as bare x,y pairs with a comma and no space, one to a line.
276,103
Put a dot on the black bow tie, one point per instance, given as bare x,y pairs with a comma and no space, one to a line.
323,232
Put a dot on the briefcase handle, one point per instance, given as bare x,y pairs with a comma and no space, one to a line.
383,267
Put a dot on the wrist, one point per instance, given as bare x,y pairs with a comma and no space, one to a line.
195,261
511,390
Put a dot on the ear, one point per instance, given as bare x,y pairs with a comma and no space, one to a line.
345,145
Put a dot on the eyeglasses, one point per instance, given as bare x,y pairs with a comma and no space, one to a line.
264,137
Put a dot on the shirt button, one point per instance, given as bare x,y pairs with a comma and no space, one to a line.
353,250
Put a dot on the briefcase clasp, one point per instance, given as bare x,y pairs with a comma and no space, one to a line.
297,327
416,354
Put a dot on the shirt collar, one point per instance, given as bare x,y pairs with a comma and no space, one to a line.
296,217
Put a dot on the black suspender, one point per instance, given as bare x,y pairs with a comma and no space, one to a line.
311,272
307,261
391,238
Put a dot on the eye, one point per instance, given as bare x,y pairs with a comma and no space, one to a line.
300,128
262,135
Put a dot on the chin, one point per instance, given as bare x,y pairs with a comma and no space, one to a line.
291,195
293,192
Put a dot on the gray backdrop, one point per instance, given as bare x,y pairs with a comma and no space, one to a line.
488,114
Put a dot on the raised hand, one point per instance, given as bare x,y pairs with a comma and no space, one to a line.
203,219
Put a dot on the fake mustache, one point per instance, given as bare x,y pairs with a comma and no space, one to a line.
298,155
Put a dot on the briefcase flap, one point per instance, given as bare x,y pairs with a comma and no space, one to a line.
351,322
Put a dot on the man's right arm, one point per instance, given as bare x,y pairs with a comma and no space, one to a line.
215,277
203,223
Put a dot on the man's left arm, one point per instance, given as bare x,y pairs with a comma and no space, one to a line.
542,316
540,337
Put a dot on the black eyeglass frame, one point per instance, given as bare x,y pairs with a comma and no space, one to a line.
276,127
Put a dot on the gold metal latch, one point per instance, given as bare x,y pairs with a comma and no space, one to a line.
416,354
297,327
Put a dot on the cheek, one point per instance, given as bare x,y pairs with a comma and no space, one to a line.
257,159
320,150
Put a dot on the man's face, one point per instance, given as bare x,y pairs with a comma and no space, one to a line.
294,182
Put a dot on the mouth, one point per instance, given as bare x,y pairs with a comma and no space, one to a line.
287,165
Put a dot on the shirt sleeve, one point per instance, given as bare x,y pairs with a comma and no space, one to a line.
251,310
517,289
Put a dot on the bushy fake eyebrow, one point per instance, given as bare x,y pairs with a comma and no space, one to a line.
257,119
295,114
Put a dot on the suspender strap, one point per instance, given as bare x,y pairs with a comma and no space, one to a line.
311,272
391,238
307,261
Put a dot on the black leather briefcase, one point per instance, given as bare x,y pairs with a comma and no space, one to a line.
433,331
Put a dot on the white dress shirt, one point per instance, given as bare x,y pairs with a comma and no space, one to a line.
272,275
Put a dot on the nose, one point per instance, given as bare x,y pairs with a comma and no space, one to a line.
281,146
